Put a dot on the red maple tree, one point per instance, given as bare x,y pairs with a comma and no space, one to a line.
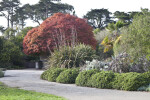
59,29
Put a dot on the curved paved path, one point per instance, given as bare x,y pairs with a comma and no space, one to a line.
30,80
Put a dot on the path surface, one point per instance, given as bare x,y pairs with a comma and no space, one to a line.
30,80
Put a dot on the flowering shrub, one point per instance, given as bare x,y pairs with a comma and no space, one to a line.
95,64
142,65
120,63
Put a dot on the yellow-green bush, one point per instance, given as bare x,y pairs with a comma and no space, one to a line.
51,74
102,80
83,77
68,76
131,81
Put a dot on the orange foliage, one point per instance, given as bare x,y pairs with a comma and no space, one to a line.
58,30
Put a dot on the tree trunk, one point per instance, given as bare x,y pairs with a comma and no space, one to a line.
12,20
12,24
8,21
22,24
37,22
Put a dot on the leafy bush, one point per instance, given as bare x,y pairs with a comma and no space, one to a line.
100,53
9,33
10,54
102,80
95,31
144,88
54,74
95,64
120,46
115,30
120,63
135,41
101,35
68,76
116,84
1,74
130,81
44,75
51,74
83,77
68,57
148,88
142,65
3,69
100,48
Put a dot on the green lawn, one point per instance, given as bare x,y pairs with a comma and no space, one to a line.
7,93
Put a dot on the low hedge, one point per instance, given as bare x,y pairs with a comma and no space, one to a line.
131,81
68,76
44,75
102,80
146,75
51,74
83,77
1,74
107,79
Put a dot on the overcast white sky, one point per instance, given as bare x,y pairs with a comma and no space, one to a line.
82,6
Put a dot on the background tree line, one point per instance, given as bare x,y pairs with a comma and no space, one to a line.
17,14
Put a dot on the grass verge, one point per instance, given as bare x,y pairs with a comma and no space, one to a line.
8,93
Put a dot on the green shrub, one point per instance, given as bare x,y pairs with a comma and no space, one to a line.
117,83
51,74
1,74
102,80
130,81
100,48
120,63
144,88
11,56
44,75
3,69
146,76
54,74
95,64
83,77
148,88
100,53
68,57
101,35
141,65
97,30
135,40
68,76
